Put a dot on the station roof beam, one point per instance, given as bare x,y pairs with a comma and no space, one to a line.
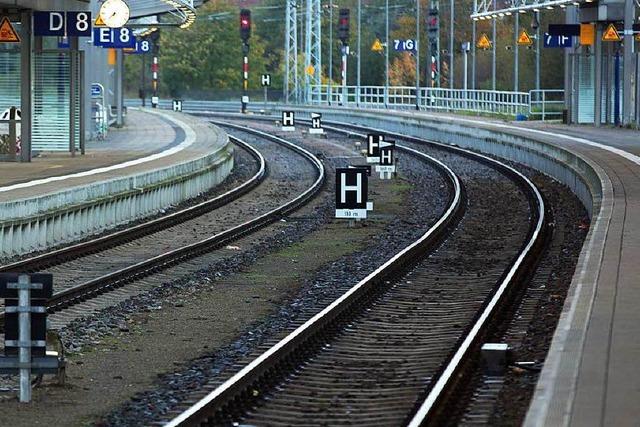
486,9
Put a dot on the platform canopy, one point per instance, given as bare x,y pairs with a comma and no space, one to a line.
490,9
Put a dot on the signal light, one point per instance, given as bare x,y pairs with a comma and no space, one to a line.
343,26
245,24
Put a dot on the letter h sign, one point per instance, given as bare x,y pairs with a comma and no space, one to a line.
351,188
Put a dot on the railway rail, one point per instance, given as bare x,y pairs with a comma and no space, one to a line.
393,347
188,248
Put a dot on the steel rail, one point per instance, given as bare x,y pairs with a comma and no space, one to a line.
77,250
120,277
449,375
272,357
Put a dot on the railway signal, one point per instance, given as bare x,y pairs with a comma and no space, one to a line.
316,124
245,33
386,166
288,121
343,35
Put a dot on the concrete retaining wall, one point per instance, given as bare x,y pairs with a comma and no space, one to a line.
42,222
582,176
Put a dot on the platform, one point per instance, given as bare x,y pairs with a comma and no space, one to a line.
162,158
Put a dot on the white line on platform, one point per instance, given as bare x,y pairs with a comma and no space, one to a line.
190,138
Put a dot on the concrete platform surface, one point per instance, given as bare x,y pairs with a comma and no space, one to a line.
143,134
151,140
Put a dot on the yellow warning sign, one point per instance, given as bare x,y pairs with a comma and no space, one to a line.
611,34
310,70
587,34
7,33
99,22
484,42
377,46
524,39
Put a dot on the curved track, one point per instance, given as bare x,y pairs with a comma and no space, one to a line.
391,345
87,270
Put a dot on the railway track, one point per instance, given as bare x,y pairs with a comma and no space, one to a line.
138,256
392,349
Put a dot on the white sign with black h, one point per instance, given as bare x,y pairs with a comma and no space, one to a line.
288,121
387,161
316,124
177,105
265,79
351,193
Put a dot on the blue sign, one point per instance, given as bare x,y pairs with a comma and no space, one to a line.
96,89
64,43
141,47
75,24
117,38
404,45
557,41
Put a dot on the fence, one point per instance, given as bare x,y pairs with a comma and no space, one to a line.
543,104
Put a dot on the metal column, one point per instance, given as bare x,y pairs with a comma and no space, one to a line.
474,37
493,54
418,17
452,18
313,52
73,65
25,89
331,47
571,17
516,53
629,64
119,77
291,53
598,78
386,54
359,52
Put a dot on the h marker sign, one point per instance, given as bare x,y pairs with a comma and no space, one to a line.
351,193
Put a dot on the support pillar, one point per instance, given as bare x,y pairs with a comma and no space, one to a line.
629,64
25,89
119,77
597,90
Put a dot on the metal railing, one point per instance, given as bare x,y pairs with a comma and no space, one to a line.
546,103
541,104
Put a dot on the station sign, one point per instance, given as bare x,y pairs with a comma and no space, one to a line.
53,23
408,45
551,41
140,48
117,38
567,30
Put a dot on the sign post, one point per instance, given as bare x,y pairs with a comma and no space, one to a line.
265,79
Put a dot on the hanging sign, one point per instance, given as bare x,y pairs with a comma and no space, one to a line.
404,45
557,41
140,48
116,38
8,34
75,24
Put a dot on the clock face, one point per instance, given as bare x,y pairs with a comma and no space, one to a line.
114,13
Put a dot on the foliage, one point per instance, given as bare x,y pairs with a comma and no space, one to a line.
206,59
